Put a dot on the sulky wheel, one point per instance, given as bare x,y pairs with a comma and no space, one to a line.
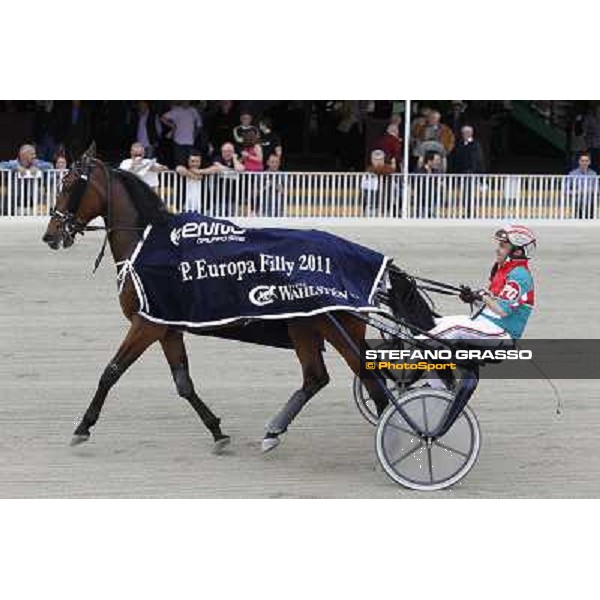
422,463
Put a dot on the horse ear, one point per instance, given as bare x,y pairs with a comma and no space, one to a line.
90,152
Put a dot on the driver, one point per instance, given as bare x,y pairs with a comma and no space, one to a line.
506,305
503,310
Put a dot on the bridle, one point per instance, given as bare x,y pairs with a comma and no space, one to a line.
71,225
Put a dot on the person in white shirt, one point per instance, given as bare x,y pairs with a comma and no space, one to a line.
193,173
146,169
185,123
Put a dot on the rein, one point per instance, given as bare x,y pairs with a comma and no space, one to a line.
438,287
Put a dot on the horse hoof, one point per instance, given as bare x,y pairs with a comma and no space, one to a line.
221,444
79,438
269,443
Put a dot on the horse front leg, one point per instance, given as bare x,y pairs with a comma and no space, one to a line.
141,335
176,355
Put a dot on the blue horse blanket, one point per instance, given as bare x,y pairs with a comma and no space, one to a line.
200,274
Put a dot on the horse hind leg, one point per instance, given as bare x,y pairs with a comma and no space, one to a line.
141,335
355,330
307,343
176,355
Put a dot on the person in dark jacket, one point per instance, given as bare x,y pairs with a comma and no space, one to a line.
75,129
467,156
222,123
456,119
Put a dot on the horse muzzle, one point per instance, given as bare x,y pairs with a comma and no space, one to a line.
60,238
62,232
53,240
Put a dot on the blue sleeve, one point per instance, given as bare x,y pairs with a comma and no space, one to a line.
518,283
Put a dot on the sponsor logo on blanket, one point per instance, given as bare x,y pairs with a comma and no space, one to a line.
207,233
261,295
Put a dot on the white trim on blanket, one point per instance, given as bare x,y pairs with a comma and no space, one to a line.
384,263
137,249
231,320
127,269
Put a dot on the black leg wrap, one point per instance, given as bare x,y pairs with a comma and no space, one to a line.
183,382
295,404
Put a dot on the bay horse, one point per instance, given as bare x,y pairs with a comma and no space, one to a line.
92,189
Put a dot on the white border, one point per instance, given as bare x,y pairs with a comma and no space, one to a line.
298,549
301,549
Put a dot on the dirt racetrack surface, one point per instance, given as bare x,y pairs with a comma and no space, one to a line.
59,326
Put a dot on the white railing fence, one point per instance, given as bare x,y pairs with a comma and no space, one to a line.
341,195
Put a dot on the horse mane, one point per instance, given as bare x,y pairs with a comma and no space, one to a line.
408,302
75,194
147,202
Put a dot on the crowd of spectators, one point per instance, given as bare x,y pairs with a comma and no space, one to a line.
226,142
227,137
435,146
168,132
193,139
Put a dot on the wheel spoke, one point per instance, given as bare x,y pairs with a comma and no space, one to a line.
406,454
446,447
404,429
425,423
430,463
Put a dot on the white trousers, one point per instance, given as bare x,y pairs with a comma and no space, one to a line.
460,327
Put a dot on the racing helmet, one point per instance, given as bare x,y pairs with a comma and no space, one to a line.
519,237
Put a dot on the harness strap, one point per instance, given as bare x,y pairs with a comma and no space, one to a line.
102,251
108,228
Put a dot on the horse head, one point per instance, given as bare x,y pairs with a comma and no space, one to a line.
79,201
